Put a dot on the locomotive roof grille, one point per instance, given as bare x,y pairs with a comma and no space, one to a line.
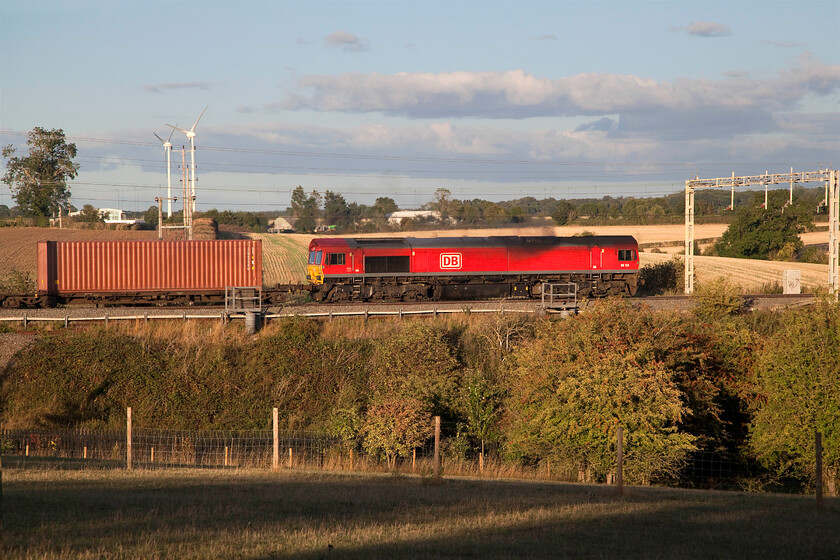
492,241
508,241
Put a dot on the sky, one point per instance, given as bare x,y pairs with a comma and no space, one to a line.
491,100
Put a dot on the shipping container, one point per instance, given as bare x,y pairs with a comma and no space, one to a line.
126,267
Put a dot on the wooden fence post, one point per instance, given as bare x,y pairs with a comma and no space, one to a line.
275,463
290,457
128,439
619,461
437,448
351,459
819,473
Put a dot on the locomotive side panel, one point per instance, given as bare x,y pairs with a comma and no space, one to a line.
459,260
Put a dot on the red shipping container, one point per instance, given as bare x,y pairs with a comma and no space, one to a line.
147,266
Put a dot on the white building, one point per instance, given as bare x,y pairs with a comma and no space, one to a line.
396,218
113,216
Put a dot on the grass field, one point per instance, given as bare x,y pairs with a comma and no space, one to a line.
258,514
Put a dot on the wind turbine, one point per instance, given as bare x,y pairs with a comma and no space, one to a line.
191,135
167,148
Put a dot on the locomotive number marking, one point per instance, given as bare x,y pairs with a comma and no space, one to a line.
450,260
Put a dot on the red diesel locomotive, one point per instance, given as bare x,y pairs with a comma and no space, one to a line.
415,268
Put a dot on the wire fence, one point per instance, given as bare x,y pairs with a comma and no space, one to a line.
158,449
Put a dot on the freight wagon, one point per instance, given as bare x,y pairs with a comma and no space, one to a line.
146,272
469,267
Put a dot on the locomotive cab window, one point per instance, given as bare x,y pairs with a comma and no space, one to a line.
315,257
627,254
335,258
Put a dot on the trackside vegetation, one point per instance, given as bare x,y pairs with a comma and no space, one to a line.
532,391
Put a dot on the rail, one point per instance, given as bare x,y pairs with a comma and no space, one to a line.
224,317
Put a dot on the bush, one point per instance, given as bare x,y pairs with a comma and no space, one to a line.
798,392
662,278
717,300
17,282
813,255
580,379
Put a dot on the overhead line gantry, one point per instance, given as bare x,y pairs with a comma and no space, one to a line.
831,178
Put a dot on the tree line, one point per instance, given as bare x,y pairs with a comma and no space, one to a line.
39,184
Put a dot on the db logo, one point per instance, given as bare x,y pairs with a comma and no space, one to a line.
450,260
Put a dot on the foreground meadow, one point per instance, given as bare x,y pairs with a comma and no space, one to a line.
258,514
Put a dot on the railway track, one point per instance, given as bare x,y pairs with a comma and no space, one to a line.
673,302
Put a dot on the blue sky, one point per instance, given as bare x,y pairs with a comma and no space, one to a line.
492,100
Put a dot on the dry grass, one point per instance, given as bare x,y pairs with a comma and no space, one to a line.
258,514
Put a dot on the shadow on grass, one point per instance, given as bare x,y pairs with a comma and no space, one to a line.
252,514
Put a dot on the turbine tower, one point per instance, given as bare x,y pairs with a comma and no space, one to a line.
191,135
167,149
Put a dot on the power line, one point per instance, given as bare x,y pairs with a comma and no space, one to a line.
430,159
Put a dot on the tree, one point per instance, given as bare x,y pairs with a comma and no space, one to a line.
39,180
336,210
760,233
306,209
516,214
563,212
798,392
482,404
90,214
579,379
396,425
151,216
385,205
443,203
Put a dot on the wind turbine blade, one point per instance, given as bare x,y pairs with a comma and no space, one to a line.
161,139
170,134
199,118
176,128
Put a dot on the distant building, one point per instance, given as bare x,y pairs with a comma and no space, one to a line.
113,216
281,225
396,218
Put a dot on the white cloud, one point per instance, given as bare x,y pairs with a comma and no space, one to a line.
517,94
347,41
159,88
708,29
784,44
